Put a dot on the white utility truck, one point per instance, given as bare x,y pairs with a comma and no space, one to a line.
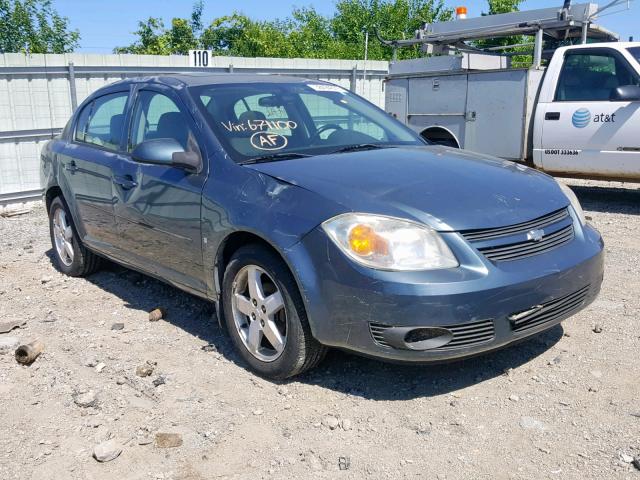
578,116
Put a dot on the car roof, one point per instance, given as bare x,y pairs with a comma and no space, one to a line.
204,78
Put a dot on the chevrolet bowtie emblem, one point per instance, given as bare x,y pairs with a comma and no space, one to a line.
535,235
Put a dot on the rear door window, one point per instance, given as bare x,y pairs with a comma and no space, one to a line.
101,122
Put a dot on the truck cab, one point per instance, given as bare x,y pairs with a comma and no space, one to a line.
587,117
573,111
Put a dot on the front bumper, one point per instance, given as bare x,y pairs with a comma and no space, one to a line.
368,311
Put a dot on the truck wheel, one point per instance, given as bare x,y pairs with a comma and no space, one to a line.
265,315
72,258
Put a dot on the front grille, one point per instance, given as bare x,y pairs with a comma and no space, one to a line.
464,335
513,242
529,247
551,311
491,233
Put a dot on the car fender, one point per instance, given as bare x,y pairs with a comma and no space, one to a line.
277,212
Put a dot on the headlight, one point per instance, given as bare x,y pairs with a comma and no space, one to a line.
389,243
575,203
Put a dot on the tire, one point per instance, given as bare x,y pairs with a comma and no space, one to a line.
299,351
82,262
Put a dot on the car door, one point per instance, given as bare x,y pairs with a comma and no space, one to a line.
158,207
94,146
583,130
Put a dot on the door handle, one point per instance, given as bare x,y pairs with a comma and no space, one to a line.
552,116
71,166
126,183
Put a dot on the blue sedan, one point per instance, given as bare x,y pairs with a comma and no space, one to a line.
312,219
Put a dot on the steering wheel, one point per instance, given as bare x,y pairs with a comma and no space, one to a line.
329,126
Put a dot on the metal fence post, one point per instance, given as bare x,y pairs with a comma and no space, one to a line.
72,87
354,79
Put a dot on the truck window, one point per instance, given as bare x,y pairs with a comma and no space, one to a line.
592,77
635,51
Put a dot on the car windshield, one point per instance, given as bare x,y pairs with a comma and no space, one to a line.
270,121
635,51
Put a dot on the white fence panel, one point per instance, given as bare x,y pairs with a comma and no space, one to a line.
39,92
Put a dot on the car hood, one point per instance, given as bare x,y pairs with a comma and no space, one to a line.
448,189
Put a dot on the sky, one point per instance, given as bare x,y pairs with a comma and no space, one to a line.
105,24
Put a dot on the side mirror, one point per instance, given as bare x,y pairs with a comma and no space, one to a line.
166,151
188,160
626,93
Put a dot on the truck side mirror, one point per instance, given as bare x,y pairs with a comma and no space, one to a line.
626,93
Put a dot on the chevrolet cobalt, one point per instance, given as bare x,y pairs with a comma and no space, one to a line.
313,219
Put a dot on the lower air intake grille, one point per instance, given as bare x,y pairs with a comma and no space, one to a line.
470,334
464,335
550,311
377,332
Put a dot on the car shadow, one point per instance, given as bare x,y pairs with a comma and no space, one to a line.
608,199
375,380
342,372
144,293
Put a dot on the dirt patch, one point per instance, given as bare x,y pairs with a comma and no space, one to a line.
562,406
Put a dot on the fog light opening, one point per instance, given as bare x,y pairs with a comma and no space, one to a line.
426,338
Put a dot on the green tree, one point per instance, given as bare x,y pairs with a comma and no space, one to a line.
394,19
151,39
305,33
503,6
155,39
33,26
497,7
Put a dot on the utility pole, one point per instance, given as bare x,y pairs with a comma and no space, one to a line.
366,54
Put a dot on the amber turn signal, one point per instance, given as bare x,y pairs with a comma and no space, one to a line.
364,241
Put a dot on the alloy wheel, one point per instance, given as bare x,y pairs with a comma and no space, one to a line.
63,237
259,313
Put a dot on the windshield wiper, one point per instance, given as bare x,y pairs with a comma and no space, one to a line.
274,157
360,146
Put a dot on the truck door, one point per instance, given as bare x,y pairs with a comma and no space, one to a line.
583,131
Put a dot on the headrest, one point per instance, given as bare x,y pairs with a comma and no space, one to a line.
115,128
251,115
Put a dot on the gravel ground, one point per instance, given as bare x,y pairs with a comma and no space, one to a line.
564,405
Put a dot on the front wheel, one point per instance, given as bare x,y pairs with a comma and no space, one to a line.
265,315
71,256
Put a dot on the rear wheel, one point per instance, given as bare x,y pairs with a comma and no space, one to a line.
71,256
265,315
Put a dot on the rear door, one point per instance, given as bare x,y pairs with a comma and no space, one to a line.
583,132
87,161
158,207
